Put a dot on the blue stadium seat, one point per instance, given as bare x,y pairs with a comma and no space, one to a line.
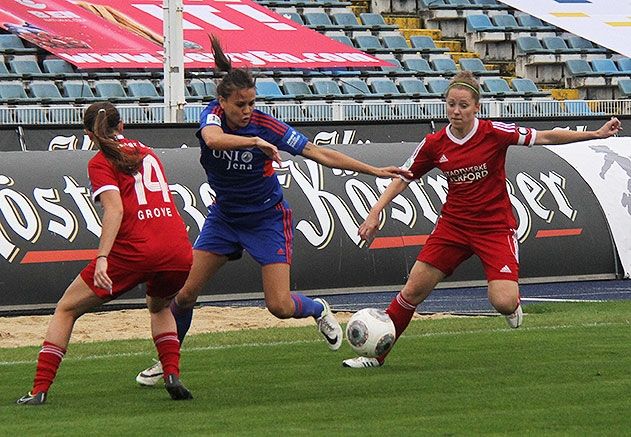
294,16
414,87
318,21
481,23
444,66
529,45
607,67
508,22
557,44
343,39
113,90
144,90
527,88
418,64
579,107
297,89
579,68
624,65
490,4
437,85
370,44
61,68
355,87
586,46
28,68
268,89
6,74
327,88
497,87
13,92
78,90
425,44
383,86
397,44
205,89
624,88
347,21
534,24
476,66
375,21
46,92
11,44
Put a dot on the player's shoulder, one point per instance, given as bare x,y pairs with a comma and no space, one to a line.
499,126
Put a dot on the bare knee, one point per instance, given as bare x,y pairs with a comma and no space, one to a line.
504,296
281,310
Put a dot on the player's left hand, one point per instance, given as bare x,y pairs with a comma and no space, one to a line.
393,172
612,127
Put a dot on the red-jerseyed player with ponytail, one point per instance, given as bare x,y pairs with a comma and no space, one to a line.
477,217
128,180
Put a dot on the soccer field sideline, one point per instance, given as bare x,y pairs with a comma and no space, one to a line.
315,341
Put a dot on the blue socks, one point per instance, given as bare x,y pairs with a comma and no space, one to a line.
305,307
183,319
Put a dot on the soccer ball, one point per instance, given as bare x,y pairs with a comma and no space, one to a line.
370,332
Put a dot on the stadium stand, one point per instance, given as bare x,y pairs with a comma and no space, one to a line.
515,54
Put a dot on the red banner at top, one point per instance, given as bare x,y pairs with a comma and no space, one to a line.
122,34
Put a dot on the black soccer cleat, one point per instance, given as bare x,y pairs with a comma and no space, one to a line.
176,389
32,399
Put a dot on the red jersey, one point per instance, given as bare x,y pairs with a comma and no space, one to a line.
474,168
152,235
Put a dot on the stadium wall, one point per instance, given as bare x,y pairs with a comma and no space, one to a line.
50,227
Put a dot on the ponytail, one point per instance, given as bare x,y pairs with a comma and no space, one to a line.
235,78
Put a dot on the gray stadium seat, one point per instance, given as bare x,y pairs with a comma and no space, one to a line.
425,44
529,45
375,21
268,89
383,86
28,68
60,68
497,87
11,44
444,66
476,66
527,88
46,92
346,20
437,85
534,24
203,88
13,92
585,45
78,90
418,64
624,88
415,88
144,90
113,90
355,87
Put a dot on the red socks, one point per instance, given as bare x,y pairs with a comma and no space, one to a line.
48,362
401,312
168,352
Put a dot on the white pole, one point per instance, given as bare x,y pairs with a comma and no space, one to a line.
174,100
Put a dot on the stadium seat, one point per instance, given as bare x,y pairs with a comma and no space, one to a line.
489,4
624,88
295,17
346,20
624,65
534,24
343,39
508,22
497,87
355,87
46,92
395,67
419,65
11,44
268,89
476,66
586,46
326,88
606,67
529,45
527,88
6,74
415,88
397,44
203,88
13,92
444,66
437,85
481,23
578,108
78,90
370,44
579,68
375,21
28,68
425,44
556,44
297,89
61,68
383,86
113,90
144,90
318,21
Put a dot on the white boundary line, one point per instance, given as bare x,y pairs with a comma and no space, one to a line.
285,343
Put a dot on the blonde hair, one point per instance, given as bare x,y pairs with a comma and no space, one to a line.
465,80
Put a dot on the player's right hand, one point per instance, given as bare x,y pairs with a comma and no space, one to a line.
369,228
101,279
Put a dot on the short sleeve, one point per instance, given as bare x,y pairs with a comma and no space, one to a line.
420,162
102,176
510,133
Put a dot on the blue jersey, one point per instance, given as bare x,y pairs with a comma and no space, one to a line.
244,180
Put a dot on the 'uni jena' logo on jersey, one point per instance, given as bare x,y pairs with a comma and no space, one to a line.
235,159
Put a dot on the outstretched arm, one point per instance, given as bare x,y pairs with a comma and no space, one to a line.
562,136
369,228
334,159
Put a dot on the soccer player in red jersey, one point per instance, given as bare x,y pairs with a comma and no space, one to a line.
477,217
128,180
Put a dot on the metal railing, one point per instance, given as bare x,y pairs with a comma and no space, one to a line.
323,111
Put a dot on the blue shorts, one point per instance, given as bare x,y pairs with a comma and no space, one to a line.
267,236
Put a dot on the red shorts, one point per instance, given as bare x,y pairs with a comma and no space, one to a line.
162,284
448,246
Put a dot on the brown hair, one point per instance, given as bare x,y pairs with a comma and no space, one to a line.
465,80
101,120
235,78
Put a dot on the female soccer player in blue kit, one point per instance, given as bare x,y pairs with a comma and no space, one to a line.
238,146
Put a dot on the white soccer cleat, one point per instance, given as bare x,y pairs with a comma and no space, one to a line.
329,327
361,362
151,375
515,320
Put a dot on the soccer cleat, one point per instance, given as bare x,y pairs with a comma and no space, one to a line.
329,327
515,319
32,399
176,389
359,362
151,375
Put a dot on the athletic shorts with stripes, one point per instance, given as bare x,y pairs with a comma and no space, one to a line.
266,235
449,245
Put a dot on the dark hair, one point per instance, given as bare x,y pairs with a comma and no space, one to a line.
102,119
465,80
235,78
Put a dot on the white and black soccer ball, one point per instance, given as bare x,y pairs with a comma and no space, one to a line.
370,332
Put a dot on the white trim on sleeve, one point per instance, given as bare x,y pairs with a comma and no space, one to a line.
103,189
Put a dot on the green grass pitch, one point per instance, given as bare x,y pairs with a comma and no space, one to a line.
567,371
